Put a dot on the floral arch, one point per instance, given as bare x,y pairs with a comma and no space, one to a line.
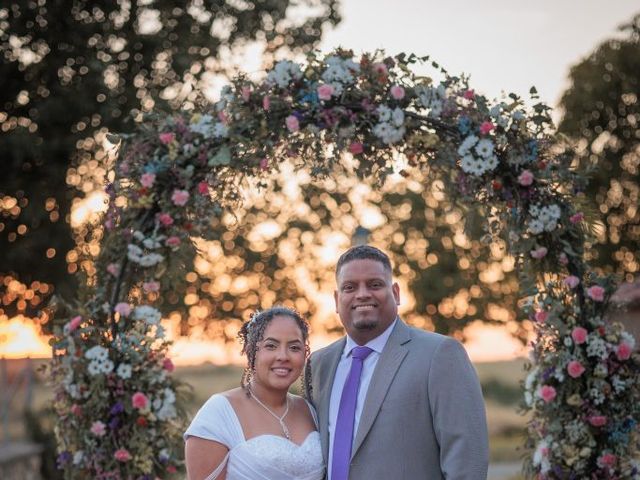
119,408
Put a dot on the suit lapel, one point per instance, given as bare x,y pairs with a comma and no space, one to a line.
392,355
329,367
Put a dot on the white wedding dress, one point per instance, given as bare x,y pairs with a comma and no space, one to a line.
265,457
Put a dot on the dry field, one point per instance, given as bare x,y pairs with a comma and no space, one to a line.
500,381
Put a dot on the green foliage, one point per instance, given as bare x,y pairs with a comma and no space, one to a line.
602,113
72,69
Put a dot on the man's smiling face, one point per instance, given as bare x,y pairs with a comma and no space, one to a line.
366,299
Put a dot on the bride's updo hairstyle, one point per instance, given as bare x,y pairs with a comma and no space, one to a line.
253,331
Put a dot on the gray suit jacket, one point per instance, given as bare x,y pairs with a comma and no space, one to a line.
424,416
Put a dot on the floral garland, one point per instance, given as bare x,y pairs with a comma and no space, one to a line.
118,412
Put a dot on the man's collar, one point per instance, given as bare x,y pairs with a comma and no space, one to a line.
377,344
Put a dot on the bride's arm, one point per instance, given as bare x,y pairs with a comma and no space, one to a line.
203,457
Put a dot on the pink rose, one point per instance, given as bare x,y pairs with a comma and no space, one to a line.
180,197
246,93
486,127
547,393
607,460
123,308
525,178
147,179
597,420
571,281
292,123
266,103
165,219
469,94
203,188
397,92
576,218
596,293
172,241
113,269
380,68
539,253
623,352
76,410
541,316
139,400
168,365
74,323
98,428
122,455
152,286
325,92
167,137
356,148
579,335
575,369
264,164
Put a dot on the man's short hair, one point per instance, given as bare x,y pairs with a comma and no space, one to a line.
364,252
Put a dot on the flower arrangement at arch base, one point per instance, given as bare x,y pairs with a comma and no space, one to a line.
118,407
582,388
119,415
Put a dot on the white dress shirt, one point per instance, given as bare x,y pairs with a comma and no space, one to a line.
344,365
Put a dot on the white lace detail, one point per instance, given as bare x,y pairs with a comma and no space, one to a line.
295,460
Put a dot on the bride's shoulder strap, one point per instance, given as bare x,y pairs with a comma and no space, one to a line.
213,475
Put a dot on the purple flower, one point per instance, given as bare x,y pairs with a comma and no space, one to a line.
114,423
63,459
117,408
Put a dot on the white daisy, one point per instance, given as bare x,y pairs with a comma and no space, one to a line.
384,113
398,117
535,226
124,371
484,148
467,144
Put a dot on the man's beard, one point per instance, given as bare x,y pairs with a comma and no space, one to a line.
365,324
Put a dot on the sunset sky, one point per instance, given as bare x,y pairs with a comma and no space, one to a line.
503,45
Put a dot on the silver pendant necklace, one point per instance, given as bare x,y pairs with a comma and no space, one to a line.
280,419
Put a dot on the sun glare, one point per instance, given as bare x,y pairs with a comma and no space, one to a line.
20,339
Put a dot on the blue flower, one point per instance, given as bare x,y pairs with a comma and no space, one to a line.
464,125
310,97
532,150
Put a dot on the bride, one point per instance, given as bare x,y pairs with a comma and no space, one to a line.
260,431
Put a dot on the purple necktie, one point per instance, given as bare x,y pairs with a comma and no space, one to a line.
343,435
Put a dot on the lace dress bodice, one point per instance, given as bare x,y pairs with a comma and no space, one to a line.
265,457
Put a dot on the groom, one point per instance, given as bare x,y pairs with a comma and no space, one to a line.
393,402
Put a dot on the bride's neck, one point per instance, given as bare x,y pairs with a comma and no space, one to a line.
269,396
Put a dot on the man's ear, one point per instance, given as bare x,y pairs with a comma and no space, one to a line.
395,288
335,299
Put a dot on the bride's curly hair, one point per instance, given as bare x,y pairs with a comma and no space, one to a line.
253,331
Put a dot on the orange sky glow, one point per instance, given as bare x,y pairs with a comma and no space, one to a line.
19,339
